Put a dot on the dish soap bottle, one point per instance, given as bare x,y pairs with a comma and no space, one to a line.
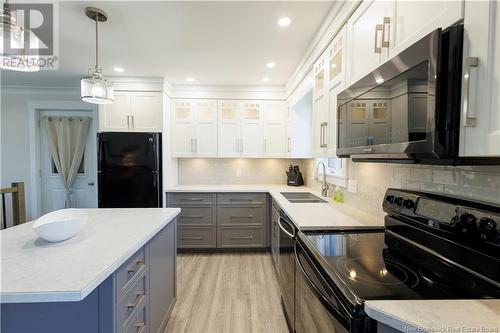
337,196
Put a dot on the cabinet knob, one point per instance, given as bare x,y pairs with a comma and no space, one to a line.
90,184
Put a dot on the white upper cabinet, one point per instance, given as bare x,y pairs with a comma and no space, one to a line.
480,123
132,112
116,117
251,137
229,128
336,59
205,128
147,115
194,128
413,20
275,122
182,112
368,36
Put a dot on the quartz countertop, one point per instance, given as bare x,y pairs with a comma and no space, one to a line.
447,316
33,270
305,216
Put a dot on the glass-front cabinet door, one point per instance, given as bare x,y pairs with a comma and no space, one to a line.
183,128
336,59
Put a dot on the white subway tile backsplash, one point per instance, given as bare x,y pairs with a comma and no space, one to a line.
410,184
401,173
447,177
421,175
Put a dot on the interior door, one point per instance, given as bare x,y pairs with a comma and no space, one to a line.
205,128
116,117
229,128
84,189
182,128
252,144
147,115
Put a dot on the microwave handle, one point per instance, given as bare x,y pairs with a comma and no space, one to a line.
469,121
331,308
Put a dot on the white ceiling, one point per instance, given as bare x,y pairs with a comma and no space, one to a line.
219,43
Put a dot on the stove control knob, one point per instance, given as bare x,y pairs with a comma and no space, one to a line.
487,228
389,198
408,203
398,201
466,224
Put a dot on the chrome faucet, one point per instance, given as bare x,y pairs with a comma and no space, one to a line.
324,185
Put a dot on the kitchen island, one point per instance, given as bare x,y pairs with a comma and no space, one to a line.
116,275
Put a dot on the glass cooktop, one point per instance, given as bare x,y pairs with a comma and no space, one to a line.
378,265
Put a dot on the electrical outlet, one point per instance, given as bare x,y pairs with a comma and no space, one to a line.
352,185
238,172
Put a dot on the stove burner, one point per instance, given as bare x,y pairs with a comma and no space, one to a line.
447,278
370,271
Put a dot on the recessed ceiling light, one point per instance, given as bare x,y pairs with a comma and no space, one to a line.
189,79
270,65
265,79
118,69
284,22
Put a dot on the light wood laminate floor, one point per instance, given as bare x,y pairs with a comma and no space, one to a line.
226,292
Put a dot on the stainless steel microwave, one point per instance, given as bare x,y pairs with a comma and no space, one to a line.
408,109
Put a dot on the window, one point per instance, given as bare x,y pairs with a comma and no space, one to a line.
335,170
81,167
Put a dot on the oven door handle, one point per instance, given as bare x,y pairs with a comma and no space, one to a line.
325,301
283,229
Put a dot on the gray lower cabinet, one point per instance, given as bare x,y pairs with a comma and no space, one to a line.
137,297
221,220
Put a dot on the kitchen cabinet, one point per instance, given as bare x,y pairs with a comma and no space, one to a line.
412,20
221,220
240,126
138,111
329,81
275,127
368,37
299,130
379,30
480,121
194,128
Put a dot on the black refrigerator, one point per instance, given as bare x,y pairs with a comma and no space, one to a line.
129,170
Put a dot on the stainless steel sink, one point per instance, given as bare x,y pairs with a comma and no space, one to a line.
302,197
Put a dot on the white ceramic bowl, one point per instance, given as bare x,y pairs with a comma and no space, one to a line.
60,224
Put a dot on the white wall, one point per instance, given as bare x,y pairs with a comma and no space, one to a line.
14,124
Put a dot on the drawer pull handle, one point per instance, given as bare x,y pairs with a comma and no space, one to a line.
140,327
242,237
138,300
242,216
191,199
136,267
193,216
192,238
240,199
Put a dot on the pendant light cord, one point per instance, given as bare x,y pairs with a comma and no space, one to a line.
96,45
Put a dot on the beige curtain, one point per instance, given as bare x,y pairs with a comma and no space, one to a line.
67,137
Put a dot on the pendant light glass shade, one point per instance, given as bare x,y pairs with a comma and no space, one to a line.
94,88
97,90
16,58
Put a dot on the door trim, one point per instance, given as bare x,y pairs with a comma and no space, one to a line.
34,107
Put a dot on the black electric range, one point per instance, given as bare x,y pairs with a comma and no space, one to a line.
432,247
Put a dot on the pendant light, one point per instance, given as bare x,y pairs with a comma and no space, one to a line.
94,88
16,58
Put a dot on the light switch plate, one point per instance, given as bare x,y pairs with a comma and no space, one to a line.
238,172
352,185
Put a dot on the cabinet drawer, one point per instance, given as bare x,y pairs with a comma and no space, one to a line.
133,300
197,216
241,237
191,199
238,216
241,199
139,323
196,237
129,271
